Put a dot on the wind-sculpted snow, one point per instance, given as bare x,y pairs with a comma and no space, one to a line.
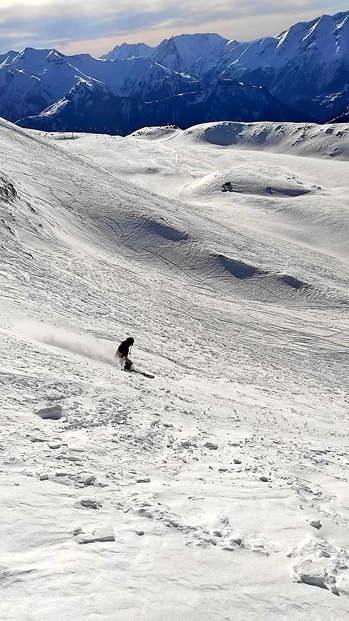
218,488
303,139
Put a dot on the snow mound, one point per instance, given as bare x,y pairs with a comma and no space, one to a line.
156,133
240,180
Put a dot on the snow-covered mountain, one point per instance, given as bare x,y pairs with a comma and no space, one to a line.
301,66
33,80
21,94
58,73
144,79
224,100
129,50
192,54
91,107
7,58
305,68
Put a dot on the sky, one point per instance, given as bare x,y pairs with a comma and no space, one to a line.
96,26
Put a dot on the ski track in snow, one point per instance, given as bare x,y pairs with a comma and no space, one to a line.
219,489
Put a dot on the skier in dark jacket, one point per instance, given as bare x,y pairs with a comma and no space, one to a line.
122,353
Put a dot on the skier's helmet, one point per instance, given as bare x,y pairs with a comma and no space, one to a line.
130,340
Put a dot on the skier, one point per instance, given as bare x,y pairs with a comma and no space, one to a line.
122,354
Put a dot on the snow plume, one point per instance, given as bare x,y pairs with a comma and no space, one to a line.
76,343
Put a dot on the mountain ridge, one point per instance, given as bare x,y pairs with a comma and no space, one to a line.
35,83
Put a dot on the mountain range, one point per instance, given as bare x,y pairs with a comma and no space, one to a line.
299,75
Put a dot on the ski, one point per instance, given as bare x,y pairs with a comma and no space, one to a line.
132,370
143,373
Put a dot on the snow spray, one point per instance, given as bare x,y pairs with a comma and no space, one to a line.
68,341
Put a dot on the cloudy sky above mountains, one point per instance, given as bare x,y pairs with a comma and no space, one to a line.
96,26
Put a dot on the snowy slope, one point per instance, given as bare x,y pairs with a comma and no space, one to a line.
218,489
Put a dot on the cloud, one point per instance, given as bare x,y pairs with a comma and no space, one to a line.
63,24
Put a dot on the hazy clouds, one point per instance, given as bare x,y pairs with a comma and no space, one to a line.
97,25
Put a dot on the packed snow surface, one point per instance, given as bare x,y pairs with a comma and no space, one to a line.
219,489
